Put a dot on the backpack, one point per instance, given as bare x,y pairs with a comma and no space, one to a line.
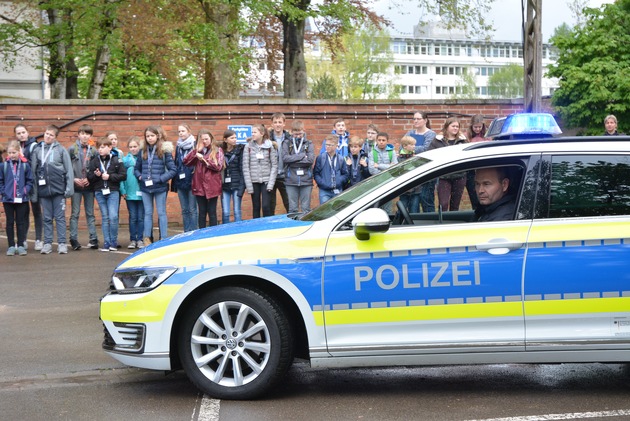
375,154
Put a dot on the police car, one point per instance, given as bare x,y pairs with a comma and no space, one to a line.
362,280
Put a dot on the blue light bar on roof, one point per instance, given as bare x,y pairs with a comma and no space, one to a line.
524,125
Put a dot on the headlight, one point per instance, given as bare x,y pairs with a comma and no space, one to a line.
131,281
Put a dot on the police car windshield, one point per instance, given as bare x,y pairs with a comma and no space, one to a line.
354,193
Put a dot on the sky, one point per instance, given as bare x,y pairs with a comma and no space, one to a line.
506,15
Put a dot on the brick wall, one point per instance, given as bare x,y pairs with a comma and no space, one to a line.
129,118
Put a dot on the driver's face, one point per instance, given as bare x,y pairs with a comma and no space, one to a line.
488,186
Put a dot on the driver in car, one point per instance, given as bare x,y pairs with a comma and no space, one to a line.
492,187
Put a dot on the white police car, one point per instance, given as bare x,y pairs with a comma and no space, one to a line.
352,285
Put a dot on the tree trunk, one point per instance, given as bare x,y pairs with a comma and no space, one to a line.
295,82
221,80
103,53
72,71
57,71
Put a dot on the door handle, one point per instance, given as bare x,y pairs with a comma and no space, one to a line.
499,246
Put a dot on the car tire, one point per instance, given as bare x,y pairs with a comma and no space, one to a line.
235,343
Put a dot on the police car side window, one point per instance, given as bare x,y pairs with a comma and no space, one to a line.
589,185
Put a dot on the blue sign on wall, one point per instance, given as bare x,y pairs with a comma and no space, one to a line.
242,132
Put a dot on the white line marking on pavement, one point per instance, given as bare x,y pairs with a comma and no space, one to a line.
209,409
567,416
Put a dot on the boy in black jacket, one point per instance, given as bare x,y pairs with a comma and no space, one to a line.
105,173
357,161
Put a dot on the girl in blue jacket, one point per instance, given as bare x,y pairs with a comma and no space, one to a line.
130,190
16,183
154,168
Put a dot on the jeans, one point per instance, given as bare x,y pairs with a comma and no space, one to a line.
109,204
411,202
160,206
261,198
88,204
427,196
231,195
188,204
54,208
299,196
207,207
17,215
325,195
136,219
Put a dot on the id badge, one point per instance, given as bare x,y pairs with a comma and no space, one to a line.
148,183
182,176
336,191
259,155
227,180
300,172
105,192
41,182
17,200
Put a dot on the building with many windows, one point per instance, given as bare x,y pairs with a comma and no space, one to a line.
431,63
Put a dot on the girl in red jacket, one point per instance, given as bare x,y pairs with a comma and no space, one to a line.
206,182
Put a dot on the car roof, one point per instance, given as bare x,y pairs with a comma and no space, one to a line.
528,146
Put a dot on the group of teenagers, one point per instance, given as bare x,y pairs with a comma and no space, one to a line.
200,169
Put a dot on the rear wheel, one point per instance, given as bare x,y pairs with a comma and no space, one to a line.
235,343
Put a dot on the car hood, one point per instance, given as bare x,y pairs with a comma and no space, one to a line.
229,242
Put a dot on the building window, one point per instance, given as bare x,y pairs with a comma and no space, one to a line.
399,47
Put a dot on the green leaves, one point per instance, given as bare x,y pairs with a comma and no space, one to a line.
593,68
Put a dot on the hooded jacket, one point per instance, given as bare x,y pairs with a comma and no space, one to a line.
384,158
206,179
80,162
159,172
260,170
182,149
8,188
323,172
130,187
298,164
234,170
54,176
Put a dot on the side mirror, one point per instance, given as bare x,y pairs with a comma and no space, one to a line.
370,221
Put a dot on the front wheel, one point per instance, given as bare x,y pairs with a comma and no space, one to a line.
235,343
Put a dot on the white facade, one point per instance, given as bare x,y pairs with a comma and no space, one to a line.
26,79
429,64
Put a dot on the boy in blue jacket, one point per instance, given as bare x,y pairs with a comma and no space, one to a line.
330,172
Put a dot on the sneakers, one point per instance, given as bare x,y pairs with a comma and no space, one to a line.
38,245
75,245
62,248
113,247
146,241
132,245
21,251
93,244
11,251
46,249
25,245
139,244
105,247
